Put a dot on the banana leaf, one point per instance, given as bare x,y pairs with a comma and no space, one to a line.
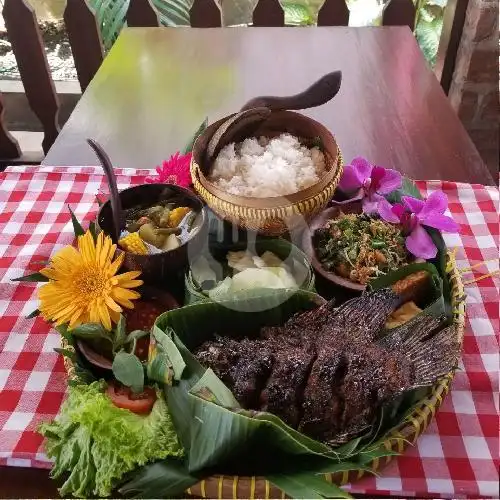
436,304
167,479
219,436
164,360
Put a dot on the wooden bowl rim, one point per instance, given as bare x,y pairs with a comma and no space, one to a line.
307,245
187,192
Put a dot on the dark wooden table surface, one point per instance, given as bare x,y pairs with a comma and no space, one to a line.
158,84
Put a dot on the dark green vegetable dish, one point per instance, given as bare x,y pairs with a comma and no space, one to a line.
360,247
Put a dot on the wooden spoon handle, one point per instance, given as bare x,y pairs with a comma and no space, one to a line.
116,203
320,92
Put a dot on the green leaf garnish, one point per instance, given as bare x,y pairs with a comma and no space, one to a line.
77,227
34,314
90,331
35,277
128,370
93,231
189,146
120,334
66,353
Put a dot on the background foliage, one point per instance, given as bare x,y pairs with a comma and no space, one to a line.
111,16
429,19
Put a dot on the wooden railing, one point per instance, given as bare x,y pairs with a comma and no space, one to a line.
88,51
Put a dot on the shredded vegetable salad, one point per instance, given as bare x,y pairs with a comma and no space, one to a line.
360,247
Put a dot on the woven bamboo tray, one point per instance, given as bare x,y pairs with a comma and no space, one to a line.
222,487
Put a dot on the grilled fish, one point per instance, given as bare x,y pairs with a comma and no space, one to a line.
327,372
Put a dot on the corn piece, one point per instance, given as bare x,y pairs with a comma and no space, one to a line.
176,215
132,243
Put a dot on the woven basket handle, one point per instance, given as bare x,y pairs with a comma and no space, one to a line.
320,92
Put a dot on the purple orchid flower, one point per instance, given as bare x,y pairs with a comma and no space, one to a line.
413,215
368,183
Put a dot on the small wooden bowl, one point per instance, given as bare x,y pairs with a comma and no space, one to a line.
155,268
271,216
148,294
308,246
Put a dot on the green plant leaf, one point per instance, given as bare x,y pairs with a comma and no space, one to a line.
66,353
35,277
189,146
93,230
211,388
128,370
408,188
34,314
300,485
77,227
164,362
298,14
111,16
367,456
428,32
173,12
167,479
440,263
136,335
349,449
64,332
90,331
120,334
333,468
133,337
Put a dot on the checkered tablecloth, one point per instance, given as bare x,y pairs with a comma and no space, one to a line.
456,457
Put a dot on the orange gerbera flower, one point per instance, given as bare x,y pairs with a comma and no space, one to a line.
84,286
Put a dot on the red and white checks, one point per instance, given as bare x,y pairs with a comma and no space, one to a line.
458,456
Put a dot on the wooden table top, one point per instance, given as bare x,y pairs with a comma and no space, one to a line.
158,84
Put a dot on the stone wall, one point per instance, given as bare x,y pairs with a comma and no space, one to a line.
474,89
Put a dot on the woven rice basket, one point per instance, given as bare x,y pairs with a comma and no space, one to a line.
272,216
222,487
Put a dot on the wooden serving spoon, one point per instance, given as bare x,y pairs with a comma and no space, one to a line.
255,111
116,203
320,92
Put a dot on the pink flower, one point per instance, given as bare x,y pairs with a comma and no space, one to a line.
368,183
413,215
174,171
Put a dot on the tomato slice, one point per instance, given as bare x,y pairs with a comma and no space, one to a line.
123,397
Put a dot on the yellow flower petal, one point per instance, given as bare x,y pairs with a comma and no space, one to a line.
123,293
131,283
105,319
131,275
112,305
115,316
115,266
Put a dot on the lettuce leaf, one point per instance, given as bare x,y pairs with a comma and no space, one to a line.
97,443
